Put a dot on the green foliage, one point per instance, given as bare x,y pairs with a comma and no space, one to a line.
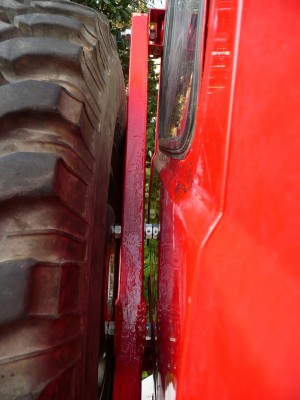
151,246
145,374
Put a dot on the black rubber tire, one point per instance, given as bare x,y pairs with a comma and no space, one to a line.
62,111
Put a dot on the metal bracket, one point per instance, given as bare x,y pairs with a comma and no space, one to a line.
117,231
151,231
110,328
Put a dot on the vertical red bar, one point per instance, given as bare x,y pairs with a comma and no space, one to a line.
130,306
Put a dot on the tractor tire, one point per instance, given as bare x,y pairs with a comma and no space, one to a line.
62,118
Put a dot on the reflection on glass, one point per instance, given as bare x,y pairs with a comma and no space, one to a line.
179,72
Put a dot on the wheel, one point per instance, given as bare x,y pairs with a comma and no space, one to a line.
62,116
109,294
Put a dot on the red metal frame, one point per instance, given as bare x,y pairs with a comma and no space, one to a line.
229,278
157,19
130,325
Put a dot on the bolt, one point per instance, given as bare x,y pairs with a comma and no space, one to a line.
117,231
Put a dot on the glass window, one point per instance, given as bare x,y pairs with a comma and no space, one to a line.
180,71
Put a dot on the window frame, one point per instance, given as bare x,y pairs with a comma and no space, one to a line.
178,146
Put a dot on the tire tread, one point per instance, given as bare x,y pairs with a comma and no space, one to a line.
56,107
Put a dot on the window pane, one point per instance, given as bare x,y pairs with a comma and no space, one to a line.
179,71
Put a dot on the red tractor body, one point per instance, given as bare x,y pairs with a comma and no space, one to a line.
228,322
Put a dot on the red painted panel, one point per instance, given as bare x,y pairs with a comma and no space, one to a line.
229,277
130,306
